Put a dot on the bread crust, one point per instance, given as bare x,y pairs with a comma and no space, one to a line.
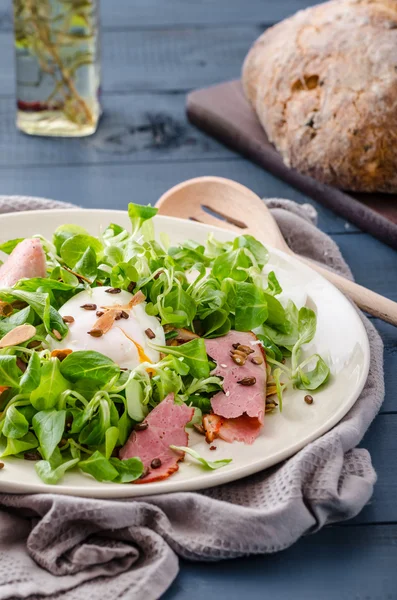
324,86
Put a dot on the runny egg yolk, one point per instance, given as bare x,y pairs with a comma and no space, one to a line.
126,342
141,353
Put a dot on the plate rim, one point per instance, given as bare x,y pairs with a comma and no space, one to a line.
115,491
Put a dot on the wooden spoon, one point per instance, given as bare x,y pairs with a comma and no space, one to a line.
240,210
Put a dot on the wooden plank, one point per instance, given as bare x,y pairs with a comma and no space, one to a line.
101,186
165,59
134,128
137,128
336,563
202,12
381,441
147,13
173,59
389,337
368,257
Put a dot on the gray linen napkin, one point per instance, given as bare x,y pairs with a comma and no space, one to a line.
73,548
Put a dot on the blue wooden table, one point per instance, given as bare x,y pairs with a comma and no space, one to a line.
154,51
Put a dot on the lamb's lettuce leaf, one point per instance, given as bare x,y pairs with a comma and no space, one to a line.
88,364
193,353
52,385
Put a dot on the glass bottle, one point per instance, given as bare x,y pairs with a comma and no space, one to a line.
57,66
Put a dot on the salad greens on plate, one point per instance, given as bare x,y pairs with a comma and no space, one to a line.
66,409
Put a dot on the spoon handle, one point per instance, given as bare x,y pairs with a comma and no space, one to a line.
370,302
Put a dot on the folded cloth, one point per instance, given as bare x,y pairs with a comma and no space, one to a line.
77,548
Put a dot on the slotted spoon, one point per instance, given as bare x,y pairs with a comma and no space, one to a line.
240,210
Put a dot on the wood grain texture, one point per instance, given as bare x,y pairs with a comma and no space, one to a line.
147,13
389,338
159,59
134,128
335,564
365,254
102,185
381,442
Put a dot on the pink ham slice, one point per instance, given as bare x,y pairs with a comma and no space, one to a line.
166,426
241,407
242,429
238,399
25,261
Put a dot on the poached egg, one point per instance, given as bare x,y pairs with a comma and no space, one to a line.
126,343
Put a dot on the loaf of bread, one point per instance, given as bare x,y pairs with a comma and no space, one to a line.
324,86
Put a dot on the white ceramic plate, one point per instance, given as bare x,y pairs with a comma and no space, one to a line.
340,338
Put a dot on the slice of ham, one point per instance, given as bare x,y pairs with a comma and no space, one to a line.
237,399
242,429
241,407
165,426
25,261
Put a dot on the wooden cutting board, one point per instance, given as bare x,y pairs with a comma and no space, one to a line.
223,112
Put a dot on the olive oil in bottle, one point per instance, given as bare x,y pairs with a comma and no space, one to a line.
57,66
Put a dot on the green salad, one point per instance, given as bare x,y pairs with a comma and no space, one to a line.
75,407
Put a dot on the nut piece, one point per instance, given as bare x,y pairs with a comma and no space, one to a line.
61,354
156,463
106,320
131,286
18,335
137,298
246,349
271,388
247,381
96,332
88,306
239,360
150,334
146,471
6,309
19,304
309,399
141,426
32,455
1,465
68,319
99,313
257,360
113,291
240,354
270,401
